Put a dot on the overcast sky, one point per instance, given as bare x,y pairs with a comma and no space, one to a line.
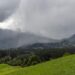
51,18
7,7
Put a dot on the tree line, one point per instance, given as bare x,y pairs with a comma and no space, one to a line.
28,57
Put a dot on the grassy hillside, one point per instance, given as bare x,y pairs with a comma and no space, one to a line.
61,66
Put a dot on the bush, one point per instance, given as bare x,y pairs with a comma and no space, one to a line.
66,54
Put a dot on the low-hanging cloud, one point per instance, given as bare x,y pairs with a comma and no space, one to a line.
50,18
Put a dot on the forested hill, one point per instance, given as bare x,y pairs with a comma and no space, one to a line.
27,57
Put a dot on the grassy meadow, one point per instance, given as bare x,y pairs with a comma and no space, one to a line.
60,66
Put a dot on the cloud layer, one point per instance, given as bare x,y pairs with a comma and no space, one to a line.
50,18
7,7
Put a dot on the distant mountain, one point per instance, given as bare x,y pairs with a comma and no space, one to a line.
68,42
13,39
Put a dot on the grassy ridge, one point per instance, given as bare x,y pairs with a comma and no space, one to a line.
61,66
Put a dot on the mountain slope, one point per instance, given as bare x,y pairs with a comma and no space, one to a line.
61,66
13,39
68,42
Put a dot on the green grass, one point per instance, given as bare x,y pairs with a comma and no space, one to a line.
61,66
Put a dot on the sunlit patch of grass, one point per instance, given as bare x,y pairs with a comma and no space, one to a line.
61,66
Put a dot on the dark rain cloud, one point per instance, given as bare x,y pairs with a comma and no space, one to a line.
7,7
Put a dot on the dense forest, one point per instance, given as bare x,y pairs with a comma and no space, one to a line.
28,57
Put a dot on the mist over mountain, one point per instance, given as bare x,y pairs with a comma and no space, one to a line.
13,39
64,43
